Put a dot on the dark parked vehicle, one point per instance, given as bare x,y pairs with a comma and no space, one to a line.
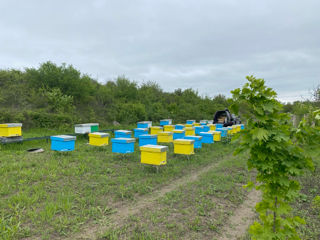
226,118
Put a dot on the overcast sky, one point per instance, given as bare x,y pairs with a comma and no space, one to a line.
208,45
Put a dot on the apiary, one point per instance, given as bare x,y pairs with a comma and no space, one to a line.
207,137
154,154
63,143
156,129
198,129
165,122
10,129
123,145
144,124
191,121
178,133
122,134
183,146
165,137
146,139
140,131
197,141
168,128
86,128
99,139
190,131
180,126
216,136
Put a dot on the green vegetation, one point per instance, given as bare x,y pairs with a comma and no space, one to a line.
53,194
54,96
197,210
276,155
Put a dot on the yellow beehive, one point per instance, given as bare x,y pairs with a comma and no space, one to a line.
99,139
188,125
154,154
196,124
212,127
168,128
190,131
238,128
10,129
155,129
165,137
183,146
234,129
216,136
230,130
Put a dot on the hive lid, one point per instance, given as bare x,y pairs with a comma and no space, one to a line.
123,131
148,136
63,137
87,124
123,140
11,125
191,120
184,141
180,124
166,120
165,133
99,134
141,129
216,132
157,127
145,122
154,148
178,131
193,137
198,126
205,133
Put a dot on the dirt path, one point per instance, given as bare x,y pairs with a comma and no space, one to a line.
243,216
122,212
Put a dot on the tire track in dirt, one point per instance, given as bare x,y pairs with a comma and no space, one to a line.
122,212
237,225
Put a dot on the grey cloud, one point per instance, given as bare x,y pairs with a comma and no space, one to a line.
207,45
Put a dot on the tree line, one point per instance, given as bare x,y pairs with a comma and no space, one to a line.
53,96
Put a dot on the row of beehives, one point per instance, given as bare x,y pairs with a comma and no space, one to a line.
185,138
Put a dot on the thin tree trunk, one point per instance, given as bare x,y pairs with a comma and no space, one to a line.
275,215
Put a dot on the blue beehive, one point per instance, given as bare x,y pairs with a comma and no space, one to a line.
140,131
178,133
219,125
242,126
206,128
179,126
123,145
224,131
207,137
191,121
197,140
165,122
144,124
146,139
198,129
122,134
62,143
203,123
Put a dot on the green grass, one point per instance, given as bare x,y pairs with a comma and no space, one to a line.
53,194
195,211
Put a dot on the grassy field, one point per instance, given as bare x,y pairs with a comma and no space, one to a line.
55,195
51,194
